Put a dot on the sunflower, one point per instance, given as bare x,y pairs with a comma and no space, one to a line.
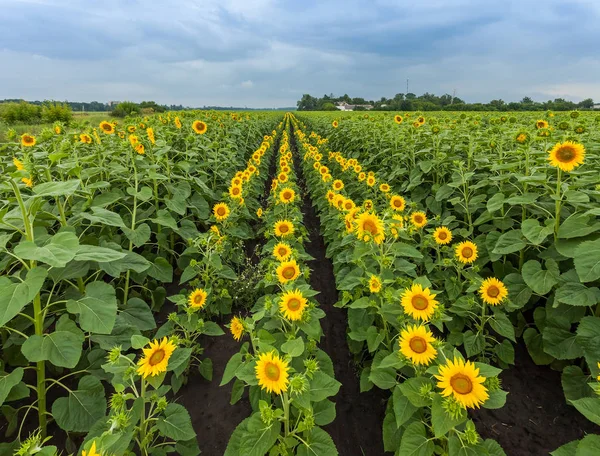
418,219
156,358
27,181
177,123
282,251
272,373
493,291
288,271
466,252
28,140
91,451
107,127
133,140
334,124
397,203
374,284
369,226
371,181
442,235
236,326
398,119
421,120
541,124
462,380
131,128
368,205
221,211
348,204
362,176
57,129
151,137
416,344
287,195
197,299
522,137
349,221
419,303
140,149
235,191
292,305
330,196
18,164
283,178
259,212
284,228
199,127
338,185
384,188
567,156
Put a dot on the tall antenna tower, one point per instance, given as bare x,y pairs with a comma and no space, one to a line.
453,96
406,86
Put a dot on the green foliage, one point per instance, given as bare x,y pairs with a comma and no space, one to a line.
126,108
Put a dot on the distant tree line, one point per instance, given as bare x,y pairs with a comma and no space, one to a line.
431,102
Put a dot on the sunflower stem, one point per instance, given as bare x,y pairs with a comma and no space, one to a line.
38,317
143,418
558,204
286,413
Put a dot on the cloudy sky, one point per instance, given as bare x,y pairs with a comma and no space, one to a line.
267,53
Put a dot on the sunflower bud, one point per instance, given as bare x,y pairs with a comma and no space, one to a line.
161,404
453,408
424,390
118,422
493,384
267,414
308,422
312,366
117,402
114,354
298,384
471,433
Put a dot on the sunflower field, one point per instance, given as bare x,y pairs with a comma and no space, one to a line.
305,284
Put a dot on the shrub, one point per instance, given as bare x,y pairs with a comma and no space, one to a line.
56,112
20,112
125,108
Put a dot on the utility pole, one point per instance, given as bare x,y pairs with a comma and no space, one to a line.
406,86
453,96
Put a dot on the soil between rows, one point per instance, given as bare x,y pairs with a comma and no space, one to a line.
536,418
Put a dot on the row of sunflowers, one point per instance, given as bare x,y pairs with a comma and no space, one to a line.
288,377
95,223
522,192
396,316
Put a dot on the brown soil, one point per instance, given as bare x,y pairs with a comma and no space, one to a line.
536,418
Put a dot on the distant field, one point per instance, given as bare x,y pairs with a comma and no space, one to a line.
94,118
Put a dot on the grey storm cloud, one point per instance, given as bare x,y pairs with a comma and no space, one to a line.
267,53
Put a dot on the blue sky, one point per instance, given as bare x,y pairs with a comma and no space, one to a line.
267,53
